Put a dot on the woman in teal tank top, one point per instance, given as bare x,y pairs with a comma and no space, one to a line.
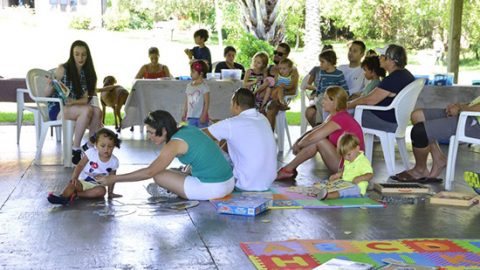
211,175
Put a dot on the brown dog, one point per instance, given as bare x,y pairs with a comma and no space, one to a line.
114,96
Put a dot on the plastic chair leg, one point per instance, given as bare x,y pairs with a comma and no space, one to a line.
280,130
68,127
368,139
58,133
41,140
451,160
19,123
303,107
388,153
402,148
287,130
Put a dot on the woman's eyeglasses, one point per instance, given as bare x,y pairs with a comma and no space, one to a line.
278,53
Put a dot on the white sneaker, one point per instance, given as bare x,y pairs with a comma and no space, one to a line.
156,191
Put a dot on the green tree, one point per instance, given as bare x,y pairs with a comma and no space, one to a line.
312,32
263,19
295,20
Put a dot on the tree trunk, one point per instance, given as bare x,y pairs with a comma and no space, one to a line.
219,22
312,32
263,19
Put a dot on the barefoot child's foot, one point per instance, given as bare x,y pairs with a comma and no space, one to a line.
114,195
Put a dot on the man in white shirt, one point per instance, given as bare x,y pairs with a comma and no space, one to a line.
250,141
353,72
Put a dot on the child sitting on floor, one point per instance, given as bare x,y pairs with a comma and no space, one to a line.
97,160
356,169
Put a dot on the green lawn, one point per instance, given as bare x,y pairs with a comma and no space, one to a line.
293,118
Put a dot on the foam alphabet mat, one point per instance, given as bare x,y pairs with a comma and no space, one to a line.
308,254
285,198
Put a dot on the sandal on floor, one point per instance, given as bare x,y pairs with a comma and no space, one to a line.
405,177
284,174
429,180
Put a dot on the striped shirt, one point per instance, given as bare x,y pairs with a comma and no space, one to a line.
329,79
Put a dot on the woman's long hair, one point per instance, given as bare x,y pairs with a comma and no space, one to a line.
89,69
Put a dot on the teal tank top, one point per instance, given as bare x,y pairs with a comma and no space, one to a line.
205,157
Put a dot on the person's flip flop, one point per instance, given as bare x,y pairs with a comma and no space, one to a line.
405,177
429,180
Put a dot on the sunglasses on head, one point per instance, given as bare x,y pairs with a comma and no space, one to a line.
278,53
390,56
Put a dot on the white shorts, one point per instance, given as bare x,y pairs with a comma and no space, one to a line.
197,190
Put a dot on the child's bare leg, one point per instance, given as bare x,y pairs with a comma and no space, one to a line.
281,96
72,189
266,96
333,195
96,192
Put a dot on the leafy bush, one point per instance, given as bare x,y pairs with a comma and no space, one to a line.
247,46
232,28
116,21
80,23
141,19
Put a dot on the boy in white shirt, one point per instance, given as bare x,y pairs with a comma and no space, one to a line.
353,72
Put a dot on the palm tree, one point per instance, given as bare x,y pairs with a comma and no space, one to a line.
263,19
312,36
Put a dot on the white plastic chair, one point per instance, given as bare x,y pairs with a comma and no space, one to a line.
281,125
37,80
21,92
403,103
303,104
453,147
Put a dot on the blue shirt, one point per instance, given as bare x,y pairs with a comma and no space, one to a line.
203,54
393,83
329,79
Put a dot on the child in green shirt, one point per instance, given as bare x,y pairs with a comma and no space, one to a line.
356,169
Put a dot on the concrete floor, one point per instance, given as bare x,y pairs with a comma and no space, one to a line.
36,235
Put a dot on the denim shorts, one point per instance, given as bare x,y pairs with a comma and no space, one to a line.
196,123
351,192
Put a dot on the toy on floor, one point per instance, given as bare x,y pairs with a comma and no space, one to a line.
401,188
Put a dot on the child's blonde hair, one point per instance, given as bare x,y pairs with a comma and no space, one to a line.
287,62
346,143
339,95
263,56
